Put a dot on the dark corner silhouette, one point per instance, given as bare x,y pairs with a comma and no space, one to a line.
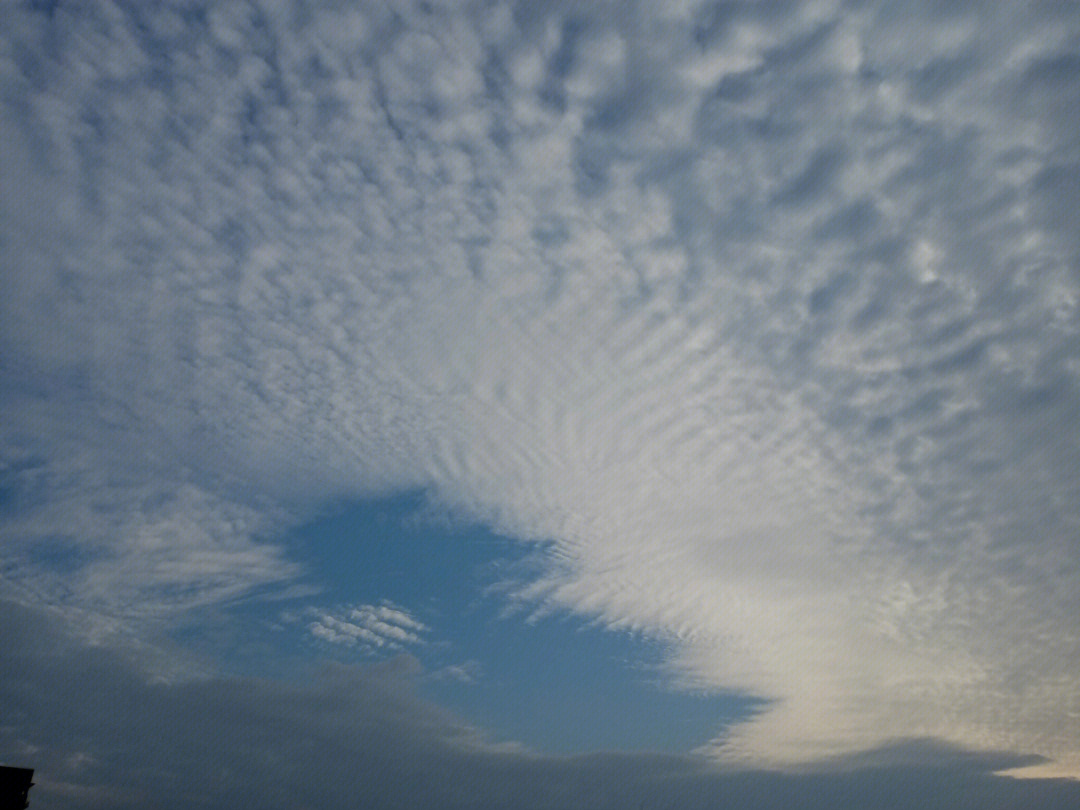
15,783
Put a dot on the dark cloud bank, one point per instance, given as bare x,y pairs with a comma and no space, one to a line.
102,733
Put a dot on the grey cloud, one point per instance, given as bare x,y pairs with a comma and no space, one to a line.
100,734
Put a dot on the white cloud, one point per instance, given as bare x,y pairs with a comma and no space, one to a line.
371,627
468,672
765,316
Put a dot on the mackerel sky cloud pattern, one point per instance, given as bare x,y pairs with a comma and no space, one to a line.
370,626
762,318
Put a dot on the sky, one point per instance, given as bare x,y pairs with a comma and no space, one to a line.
468,404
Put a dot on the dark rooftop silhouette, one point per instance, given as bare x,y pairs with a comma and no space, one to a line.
15,783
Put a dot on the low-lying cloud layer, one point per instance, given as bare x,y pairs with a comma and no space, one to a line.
103,735
765,314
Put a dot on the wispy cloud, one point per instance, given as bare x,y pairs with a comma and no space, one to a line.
765,316
466,672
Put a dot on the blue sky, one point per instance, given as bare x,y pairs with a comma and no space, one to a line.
558,683
563,399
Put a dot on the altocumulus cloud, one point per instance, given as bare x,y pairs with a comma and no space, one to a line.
765,315
370,626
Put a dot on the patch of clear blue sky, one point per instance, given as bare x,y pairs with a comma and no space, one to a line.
558,684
